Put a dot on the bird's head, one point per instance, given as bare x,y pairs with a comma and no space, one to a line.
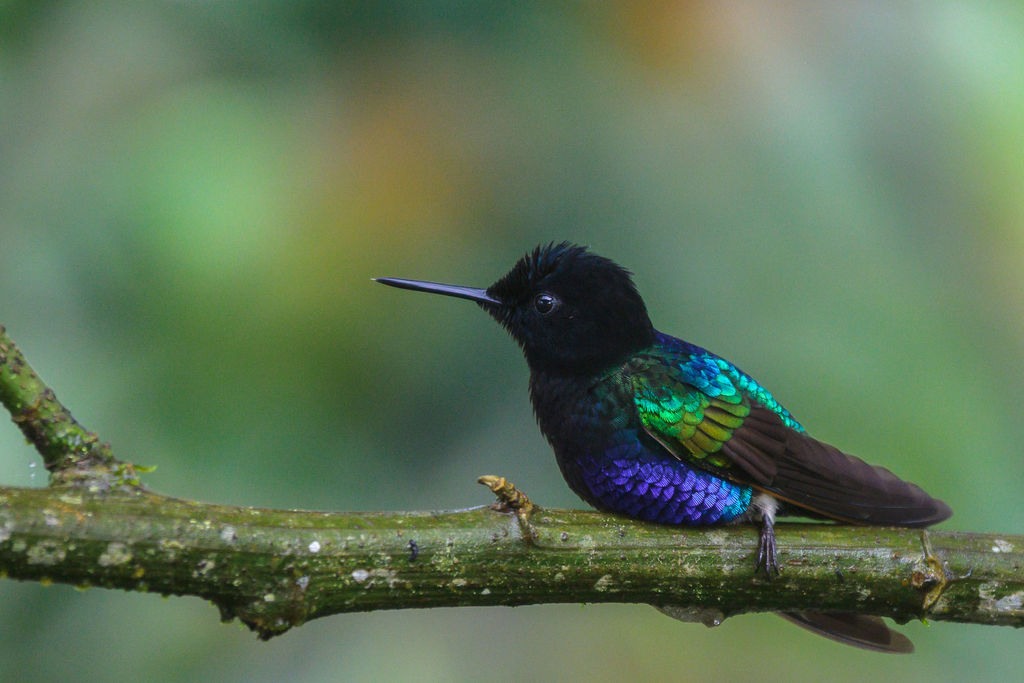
572,311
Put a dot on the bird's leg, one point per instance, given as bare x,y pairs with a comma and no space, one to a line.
766,555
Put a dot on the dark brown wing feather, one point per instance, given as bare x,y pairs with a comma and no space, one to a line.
823,479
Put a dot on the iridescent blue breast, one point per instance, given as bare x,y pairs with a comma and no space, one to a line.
631,480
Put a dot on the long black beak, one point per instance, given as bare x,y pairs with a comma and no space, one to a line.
471,293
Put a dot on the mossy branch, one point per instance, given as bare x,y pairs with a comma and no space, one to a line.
276,569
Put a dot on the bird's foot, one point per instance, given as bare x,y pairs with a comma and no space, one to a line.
512,499
766,505
508,495
766,555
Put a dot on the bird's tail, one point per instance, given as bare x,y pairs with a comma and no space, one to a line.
849,628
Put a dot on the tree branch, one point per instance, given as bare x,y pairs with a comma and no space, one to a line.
276,569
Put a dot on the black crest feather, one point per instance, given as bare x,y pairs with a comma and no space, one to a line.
529,271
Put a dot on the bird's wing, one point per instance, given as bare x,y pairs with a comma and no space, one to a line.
695,425
692,406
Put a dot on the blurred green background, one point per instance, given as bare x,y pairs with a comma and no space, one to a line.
195,195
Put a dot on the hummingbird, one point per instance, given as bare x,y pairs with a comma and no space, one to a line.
650,426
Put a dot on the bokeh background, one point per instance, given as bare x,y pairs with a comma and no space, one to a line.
195,195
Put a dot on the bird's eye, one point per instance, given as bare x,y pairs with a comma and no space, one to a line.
544,303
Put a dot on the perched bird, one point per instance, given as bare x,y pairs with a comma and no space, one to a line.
656,428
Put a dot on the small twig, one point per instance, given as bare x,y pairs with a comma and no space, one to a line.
931,577
71,453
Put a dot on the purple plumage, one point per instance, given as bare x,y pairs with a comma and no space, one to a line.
631,481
